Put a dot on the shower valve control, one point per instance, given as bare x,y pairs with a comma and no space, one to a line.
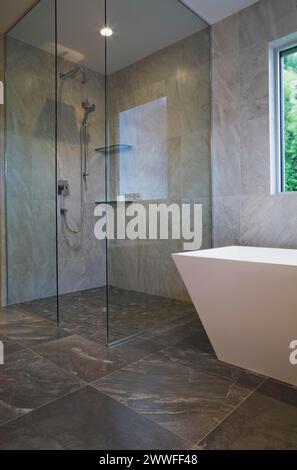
63,188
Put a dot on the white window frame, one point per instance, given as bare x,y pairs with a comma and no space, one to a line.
276,48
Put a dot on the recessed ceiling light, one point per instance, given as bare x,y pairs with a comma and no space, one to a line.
107,32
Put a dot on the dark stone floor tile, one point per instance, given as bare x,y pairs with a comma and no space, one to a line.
191,353
43,308
78,326
86,420
135,312
30,331
185,401
266,421
173,332
130,313
9,346
28,381
90,360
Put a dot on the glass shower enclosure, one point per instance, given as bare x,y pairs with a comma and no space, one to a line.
96,124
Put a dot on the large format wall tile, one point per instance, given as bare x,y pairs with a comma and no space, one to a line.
81,256
31,176
254,82
269,221
178,76
226,221
225,72
226,175
174,81
252,216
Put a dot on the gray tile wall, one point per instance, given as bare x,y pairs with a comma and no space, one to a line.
244,211
180,74
81,257
31,251
31,184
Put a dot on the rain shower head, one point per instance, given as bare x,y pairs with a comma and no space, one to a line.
80,69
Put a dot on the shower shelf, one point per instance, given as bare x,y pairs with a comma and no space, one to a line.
113,202
114,148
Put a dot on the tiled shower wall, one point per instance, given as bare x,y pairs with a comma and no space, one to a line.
30,94
161,107
31,184
82,260
245,212
180,75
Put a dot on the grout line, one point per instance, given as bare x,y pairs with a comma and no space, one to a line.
91,384
232,411
162,348
145,416
7,338
123,367
66,372
220,423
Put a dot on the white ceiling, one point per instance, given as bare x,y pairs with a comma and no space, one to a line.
141,27
215,10
211,10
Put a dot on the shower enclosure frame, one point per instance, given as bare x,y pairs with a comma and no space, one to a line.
104,153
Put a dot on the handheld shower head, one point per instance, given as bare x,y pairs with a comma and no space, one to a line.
88,108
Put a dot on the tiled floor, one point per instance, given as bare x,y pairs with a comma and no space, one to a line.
130,312
163,390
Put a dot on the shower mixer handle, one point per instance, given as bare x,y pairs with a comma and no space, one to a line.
63,188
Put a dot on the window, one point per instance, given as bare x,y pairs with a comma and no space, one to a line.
288,107
285,117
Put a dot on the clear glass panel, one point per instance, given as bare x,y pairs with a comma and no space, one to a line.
81,168
158,107
31,162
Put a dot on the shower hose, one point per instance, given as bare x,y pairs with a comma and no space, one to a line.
83,143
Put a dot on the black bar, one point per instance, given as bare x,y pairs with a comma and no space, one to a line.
142,459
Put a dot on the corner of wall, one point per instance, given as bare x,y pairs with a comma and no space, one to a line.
2,183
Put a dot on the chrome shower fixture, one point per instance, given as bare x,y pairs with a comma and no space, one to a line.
84,136
88,108
80,69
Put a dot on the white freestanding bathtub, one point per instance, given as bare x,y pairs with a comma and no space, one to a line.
246,299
